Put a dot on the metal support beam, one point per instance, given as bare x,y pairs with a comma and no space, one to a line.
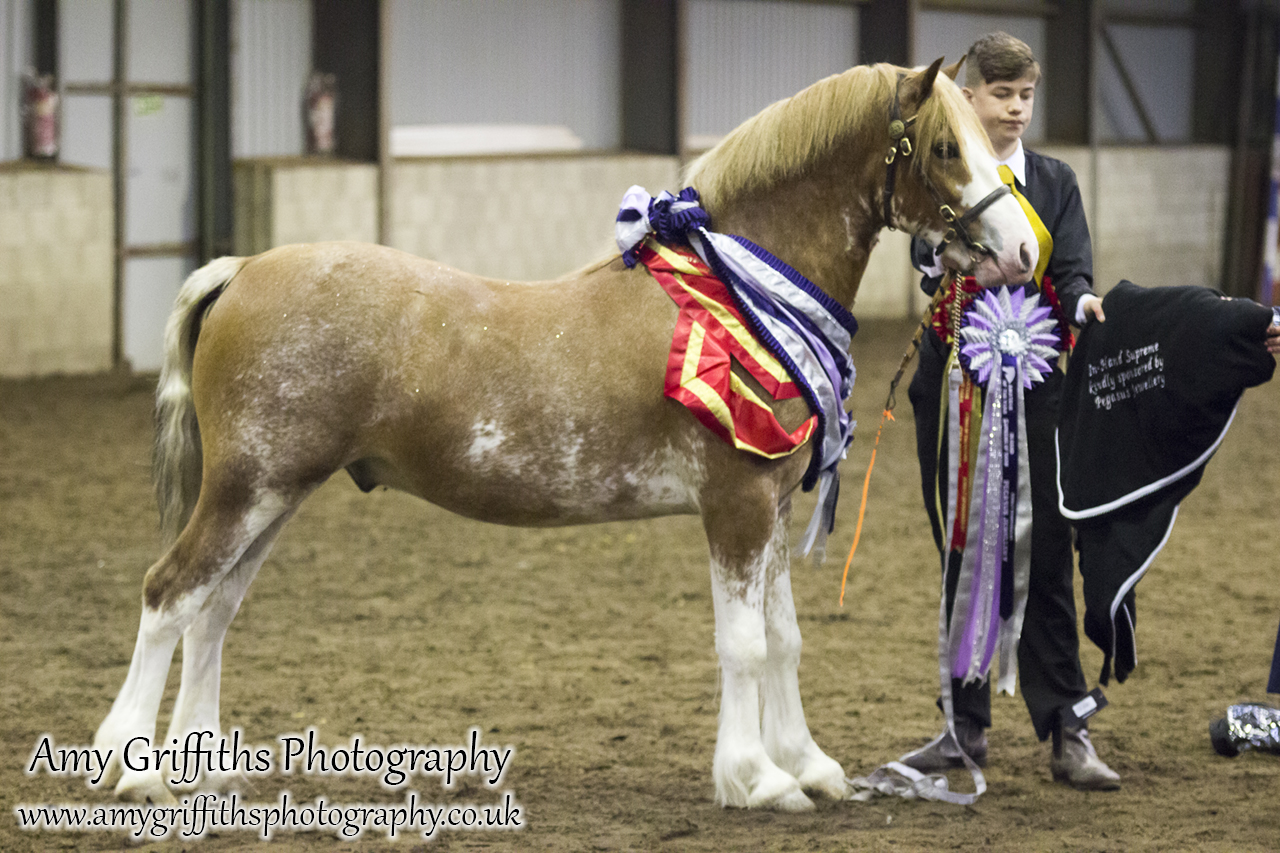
345,43
213,127
1219,33
119,170
652,118
384,122
886,32
1068,72
45,24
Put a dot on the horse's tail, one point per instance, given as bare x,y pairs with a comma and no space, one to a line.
176,460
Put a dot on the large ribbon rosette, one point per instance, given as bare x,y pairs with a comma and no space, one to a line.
1008,342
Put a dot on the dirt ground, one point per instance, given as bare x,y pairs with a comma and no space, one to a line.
590,651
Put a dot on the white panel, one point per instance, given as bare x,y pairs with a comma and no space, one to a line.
270,61
86,131
498,62
150,287
84,40
951,34
743,56
160,40
15,55
1161,63
160,204
1159,7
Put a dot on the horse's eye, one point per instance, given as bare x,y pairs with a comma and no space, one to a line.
946,151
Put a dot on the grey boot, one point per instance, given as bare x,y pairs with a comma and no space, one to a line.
1077,764
943,753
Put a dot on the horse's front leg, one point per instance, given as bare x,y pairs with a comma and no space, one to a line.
786,734
743,534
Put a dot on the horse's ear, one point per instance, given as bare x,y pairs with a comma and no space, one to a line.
926,78
953,71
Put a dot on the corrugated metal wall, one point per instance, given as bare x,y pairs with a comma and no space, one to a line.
270,61
743,55
495,61
950,34
15,55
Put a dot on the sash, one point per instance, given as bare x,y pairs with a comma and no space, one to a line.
802,327
710,332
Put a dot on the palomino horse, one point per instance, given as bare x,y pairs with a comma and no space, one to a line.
540,403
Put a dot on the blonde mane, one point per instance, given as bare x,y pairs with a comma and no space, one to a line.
787,135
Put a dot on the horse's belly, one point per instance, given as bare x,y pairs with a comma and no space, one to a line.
567,479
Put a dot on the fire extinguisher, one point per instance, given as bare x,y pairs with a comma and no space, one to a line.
40,116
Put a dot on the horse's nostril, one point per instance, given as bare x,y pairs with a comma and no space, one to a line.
1025,257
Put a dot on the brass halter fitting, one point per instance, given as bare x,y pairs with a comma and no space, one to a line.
899,143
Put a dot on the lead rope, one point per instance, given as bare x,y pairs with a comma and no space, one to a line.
887,415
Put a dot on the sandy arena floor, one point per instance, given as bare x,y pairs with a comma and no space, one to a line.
589,650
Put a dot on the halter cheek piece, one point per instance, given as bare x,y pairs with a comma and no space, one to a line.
900,143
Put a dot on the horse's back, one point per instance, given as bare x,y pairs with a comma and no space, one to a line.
524,402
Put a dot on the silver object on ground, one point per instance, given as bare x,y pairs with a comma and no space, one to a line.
1246,726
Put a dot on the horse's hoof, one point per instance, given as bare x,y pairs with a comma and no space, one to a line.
110,776
793,801
779,790
825,776
144,788
219,782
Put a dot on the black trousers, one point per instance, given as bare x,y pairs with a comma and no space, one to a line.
1049,670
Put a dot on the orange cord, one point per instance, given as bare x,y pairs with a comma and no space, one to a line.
862,509
889,404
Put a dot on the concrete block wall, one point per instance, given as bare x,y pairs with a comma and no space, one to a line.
303,200
56,270
1160,215
1158,220
520,217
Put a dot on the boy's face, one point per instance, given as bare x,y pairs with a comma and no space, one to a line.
1004,107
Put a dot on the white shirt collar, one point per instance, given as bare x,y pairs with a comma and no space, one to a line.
1017,163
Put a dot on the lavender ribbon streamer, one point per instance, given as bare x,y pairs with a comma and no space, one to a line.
991,592
986,560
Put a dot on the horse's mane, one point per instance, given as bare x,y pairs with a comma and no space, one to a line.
787,135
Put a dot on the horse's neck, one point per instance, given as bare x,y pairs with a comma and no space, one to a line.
823,225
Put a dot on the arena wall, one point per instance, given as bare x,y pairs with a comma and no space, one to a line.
56,270
1158,219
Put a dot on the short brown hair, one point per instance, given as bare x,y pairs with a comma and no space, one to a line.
999,56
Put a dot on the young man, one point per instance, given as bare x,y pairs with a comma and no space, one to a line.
1000,82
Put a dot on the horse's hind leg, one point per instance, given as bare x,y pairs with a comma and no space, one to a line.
786,734
174,594
195,711
745,774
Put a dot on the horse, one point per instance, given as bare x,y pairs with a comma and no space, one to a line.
540,404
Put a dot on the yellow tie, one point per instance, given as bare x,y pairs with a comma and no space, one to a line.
1042,234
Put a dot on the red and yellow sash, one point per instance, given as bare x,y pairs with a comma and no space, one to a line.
710,333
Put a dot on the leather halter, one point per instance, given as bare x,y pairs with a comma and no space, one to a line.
900,143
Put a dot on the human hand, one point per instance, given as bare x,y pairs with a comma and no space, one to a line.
1092,305
1273,338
